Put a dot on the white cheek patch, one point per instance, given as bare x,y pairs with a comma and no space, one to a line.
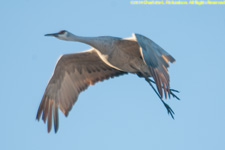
62,37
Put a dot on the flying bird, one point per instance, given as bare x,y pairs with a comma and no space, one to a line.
109,57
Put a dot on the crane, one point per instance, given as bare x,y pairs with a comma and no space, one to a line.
109,57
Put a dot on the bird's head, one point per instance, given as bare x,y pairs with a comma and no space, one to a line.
62,35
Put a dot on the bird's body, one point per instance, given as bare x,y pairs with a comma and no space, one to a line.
109,57
120,54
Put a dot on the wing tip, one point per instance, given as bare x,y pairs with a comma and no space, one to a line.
170,58
50,116
56,118
45,110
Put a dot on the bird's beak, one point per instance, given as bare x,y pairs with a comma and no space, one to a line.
52,34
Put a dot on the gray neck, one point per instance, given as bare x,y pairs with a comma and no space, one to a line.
99,43
86,40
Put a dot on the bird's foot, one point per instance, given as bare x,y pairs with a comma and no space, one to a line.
169,109
172,93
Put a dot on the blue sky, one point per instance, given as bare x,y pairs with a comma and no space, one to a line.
122,113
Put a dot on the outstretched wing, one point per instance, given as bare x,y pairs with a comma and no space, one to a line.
72,75
158,61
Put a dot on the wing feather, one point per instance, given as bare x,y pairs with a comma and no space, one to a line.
72,75
50,116
158,61
56,117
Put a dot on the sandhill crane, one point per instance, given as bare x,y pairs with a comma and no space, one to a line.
109,57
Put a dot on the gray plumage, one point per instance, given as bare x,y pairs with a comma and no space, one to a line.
109,57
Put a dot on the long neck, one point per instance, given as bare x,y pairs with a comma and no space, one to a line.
87,40
99,43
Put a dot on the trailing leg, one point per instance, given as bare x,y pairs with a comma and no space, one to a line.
168,108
